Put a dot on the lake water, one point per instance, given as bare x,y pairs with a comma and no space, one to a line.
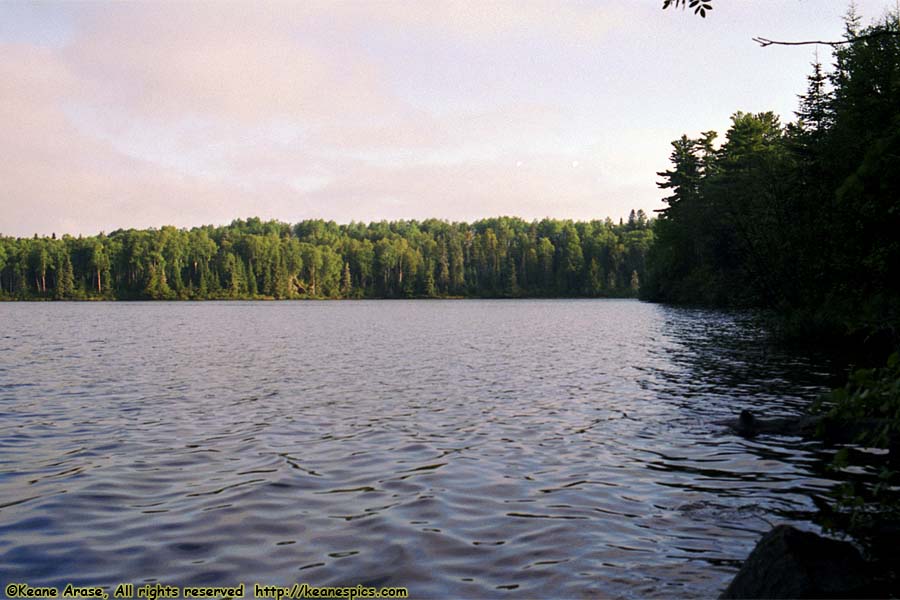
549,448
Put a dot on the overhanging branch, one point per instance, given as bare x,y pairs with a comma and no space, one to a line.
763,42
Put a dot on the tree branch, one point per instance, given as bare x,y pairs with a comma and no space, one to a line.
764,42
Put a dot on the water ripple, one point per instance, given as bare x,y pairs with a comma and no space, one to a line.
466,449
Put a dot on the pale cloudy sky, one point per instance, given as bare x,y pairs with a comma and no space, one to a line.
144,114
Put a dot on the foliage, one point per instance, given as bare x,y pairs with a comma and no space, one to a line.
872,396
868,499
501,257
799,218
700,6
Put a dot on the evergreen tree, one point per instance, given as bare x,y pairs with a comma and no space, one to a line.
346,281
66,287
511,287
430,289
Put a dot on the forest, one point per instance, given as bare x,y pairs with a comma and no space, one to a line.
800,218
254,259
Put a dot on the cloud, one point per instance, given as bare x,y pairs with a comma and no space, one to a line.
54,177
220,60
530,186
186,113
571,22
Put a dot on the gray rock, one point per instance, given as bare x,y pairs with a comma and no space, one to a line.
789,563
749,425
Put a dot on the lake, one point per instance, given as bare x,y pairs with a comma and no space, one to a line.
533,448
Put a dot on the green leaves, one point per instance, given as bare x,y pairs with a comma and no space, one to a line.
871,395
801,219
700,7
253,259
866,412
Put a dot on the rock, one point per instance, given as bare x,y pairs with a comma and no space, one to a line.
894,450
748,425
789,563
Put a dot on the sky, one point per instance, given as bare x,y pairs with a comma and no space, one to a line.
144,114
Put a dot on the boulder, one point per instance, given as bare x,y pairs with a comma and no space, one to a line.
789,563
749,425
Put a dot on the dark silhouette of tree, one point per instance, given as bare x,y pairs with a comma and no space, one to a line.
800,219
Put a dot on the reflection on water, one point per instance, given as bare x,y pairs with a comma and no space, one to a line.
460,448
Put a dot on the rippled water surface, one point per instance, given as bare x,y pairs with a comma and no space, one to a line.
461,448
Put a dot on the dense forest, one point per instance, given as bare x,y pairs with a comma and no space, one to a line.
501,257
802,218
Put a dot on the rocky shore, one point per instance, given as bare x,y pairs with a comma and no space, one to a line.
790,563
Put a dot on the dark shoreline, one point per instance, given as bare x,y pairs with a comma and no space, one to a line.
790,563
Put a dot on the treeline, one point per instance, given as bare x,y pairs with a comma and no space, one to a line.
501,257
803,218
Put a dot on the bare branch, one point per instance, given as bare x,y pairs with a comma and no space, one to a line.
764,42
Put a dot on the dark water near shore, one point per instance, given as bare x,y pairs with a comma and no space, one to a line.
559,448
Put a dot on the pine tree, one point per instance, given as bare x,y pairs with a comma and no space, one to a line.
595,279
444,268
346,281
281,279
511,288
814,111
430,290
251,280
66,286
